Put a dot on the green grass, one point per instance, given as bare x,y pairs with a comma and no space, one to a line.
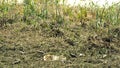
35,30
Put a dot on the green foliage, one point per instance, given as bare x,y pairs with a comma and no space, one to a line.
87,40
29,12
36,10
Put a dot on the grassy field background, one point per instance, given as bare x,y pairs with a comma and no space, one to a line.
87,37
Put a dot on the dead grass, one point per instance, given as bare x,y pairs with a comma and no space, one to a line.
88,38
24,46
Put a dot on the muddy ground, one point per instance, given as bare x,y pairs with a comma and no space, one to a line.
23,46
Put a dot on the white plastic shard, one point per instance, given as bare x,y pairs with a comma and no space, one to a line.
100,3
54,58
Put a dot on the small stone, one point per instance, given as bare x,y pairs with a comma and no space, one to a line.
22,52
81,55
73,55
41,52
17,61
104,56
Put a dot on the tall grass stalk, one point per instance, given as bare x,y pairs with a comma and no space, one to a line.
59,17
46,9
29,12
